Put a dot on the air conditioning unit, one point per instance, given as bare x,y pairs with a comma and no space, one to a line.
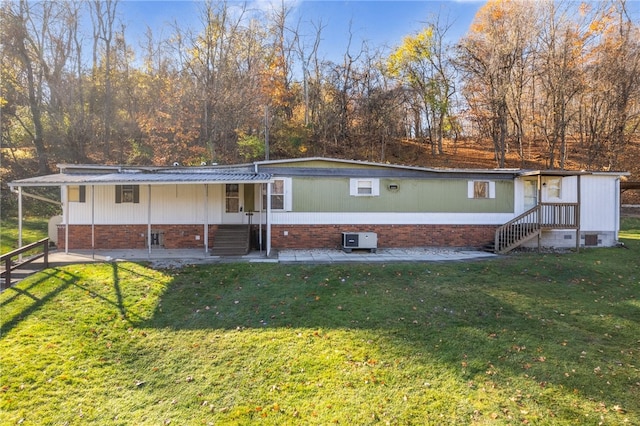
359,240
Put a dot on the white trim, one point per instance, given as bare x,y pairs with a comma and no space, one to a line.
354,185
66,213
288,194
148,217
287,184
206,219
471,192
365,218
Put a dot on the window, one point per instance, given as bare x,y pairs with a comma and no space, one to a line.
127,194
553,187
77,193
280,195
277,195
364,187
481,189
232,198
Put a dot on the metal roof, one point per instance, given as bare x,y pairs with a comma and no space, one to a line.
263,172
142,178
272,165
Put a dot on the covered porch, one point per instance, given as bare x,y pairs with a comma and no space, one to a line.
155,209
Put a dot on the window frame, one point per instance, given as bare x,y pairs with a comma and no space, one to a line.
286,194
490,189
122,190
356,186
552,188
77,193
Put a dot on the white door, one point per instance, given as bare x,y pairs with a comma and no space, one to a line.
233,209
530,194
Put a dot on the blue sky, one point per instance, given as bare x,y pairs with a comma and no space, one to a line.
382,23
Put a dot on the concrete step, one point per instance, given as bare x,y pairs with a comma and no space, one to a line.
231,240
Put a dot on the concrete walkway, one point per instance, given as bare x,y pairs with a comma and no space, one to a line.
381,256
168,258
192,256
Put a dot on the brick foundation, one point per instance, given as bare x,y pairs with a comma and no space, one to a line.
111,237
299,236
389,236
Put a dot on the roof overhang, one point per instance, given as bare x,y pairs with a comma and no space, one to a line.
567,173
203,178
277,167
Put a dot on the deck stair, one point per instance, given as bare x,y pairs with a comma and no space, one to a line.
531,223
231,240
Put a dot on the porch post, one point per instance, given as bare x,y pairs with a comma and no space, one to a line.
19,222
578,215
93,222
149,218
539,211
261,217
268,219
66,219
206,218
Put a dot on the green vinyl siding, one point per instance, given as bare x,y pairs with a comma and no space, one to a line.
412,195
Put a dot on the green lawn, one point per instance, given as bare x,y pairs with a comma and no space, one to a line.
33,229
525,339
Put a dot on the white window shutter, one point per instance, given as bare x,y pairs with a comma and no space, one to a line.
288,194
470,192
492,189
375,187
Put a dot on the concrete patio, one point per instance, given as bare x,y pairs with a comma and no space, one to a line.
193,256
168,258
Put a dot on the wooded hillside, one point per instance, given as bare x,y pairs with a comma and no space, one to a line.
545,84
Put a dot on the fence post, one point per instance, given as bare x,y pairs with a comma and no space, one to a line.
46,253
7,273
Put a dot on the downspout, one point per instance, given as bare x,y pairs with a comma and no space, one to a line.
261,218
578,214
149,219
539,202
617,210
206,218
93,222
66,219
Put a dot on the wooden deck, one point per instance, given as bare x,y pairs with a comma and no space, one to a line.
531,223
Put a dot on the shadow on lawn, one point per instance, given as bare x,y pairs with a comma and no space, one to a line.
35,295
27,300
533,329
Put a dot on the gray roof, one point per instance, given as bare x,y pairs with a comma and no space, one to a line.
142,178
263,172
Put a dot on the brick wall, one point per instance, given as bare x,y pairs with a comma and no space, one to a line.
134,236
299,236
389,236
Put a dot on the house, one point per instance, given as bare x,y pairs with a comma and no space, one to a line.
311,202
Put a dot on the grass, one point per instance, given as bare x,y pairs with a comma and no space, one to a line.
33,229
526,339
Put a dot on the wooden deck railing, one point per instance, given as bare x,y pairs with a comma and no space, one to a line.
559,215
530,223
7,259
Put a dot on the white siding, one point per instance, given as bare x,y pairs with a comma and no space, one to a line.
600,201
363,218
568,189
170,204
